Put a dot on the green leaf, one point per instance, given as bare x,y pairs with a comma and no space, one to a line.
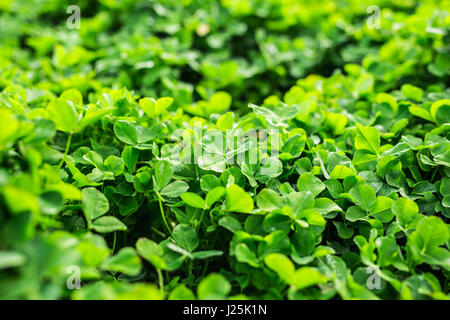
79,177
440,111
226,121
363,84
325,206
10,127
300,201
214,195
174,189
93,114
382,209
186,237
430,232
364,195
212,162
181,292
163,174
412,92
333,267
11,259
308,182
193,200
94,203
368,138
148,105
50,202
385,99
355,213
406,212
219,102
206,254
270,167
63,114
423,243
248,172
268,200
336,121
115,165
152,252
420,112
94,159
127,206
295,145
44,130
20,200
108,224
245,255
344,232
277,221
147,134
342,172
230,223
387,249
304,241
72,95
130,157
126,132
125,261
213,287
444,188
306,277
438,256
162,104
363,157
281,265
209,182
237,200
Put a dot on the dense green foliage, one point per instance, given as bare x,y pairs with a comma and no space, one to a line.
182,149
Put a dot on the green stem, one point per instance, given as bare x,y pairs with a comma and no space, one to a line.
434,173
66,152
196,171
162,213
88,221
80,143
161,281
205,268
201,218
161,234
72,207
190,267
114,242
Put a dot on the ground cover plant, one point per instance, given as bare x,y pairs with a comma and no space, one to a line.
226,149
